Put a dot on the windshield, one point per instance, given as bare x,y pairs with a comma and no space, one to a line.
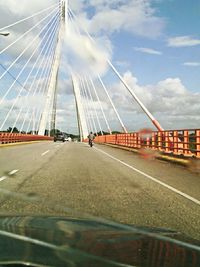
99,133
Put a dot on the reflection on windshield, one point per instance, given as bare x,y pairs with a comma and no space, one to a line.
78,239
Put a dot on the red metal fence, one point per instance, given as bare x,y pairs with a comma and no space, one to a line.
6,138
178,142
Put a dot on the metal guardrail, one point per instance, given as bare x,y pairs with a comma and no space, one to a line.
176,142
6,138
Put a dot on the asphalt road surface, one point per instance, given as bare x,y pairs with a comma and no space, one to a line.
102,181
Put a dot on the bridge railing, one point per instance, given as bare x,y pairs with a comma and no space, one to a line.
6,138
178,142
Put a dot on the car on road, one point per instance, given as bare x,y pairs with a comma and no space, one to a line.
59,137
68,139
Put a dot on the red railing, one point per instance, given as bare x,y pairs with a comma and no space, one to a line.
6,138
177,142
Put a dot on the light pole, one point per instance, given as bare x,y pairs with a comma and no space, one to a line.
4,33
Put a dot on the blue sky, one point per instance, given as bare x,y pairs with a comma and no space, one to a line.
182,18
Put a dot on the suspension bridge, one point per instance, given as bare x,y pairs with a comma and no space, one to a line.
105,180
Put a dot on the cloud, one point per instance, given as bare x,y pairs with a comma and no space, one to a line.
84,55
65,87
191,64
122,63
11,12
148,50
168,100
25,106
134,16
183,41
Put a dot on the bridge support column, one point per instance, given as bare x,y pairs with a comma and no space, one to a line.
48,111
83,130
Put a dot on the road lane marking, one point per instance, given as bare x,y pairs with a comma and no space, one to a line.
45,153
3,178
152,178
13,172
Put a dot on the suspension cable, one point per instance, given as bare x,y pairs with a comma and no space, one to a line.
88,121
29,17
47,81
89,105
147,112
21,71
27,47
47,50
112,104
41,92
30,120
92,99
12,76
117,114
101,107
44,72
19,38
19,94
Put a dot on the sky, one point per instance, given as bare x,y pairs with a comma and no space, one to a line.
154,44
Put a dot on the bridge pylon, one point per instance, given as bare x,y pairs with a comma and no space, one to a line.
82,124
49,111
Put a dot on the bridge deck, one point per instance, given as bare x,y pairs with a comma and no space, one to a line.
95,180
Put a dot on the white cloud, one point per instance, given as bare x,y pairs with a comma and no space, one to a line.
11,12
191,64
169,100
26,44
148,50
182,41
135,16
85,56
122,63
65,87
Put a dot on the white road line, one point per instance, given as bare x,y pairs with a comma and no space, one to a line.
3,178
45,153
13,172
152,178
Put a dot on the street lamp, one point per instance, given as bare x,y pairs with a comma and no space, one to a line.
4,33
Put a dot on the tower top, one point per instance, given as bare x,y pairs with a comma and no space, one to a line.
62,7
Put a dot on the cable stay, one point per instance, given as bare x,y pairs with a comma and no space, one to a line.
100,104
49,42
20,37
147,112
89,105
21,71
86,108
112,104
28,46
19,94
44,92
44,73
27,18
94,108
